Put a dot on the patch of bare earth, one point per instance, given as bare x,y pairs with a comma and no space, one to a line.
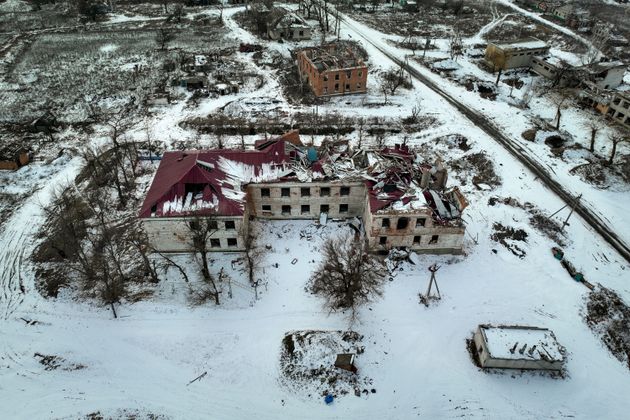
609,318
307,364
508,237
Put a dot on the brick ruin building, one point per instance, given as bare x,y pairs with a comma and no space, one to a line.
332,69
391,196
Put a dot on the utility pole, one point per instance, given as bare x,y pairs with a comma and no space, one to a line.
573,206
433,269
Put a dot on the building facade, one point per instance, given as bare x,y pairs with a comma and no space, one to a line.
615,105
332,69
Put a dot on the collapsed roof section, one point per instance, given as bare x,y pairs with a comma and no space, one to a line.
333,56
214,181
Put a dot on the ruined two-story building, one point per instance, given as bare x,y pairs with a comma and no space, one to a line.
391,196
332,69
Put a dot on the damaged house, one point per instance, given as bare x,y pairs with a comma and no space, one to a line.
332,69
390,195
285,24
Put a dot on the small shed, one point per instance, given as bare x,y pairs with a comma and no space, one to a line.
345,361
518,347
12,157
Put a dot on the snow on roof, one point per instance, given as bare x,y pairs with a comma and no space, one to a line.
525,44
214,181
556,55
203,173
521,343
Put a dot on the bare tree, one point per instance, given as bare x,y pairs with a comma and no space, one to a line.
164,36
615,140
201,229
348,275
361,122
455,44
559,99
254,256
593,126
393,79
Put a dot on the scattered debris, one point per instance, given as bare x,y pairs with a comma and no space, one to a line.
506,234
322,362
51,362
538,220
609,317
575,275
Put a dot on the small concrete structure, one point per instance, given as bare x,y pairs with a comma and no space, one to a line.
517,347
345,361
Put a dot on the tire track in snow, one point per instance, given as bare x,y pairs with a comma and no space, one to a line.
16,241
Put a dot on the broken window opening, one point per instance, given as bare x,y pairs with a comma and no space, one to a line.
402,223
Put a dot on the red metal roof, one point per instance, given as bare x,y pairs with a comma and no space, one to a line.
201,167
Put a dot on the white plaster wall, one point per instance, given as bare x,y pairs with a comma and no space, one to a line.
172,234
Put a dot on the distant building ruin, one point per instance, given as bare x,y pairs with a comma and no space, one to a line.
390,195
615,105
285,24
332,69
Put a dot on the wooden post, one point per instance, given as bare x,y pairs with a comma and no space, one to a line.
575,203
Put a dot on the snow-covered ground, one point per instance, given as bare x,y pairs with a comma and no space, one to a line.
416,356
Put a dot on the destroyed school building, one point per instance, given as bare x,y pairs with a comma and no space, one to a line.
332,69
392,196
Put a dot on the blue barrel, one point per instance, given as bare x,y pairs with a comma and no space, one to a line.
328,399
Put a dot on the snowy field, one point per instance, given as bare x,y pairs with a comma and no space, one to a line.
143,362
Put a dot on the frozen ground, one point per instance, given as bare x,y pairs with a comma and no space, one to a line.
416,356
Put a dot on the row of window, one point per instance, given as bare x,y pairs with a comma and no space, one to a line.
213,225
403,222
617,101
347,87
216,242
529,53
348,75
305,192
382,240
305,209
